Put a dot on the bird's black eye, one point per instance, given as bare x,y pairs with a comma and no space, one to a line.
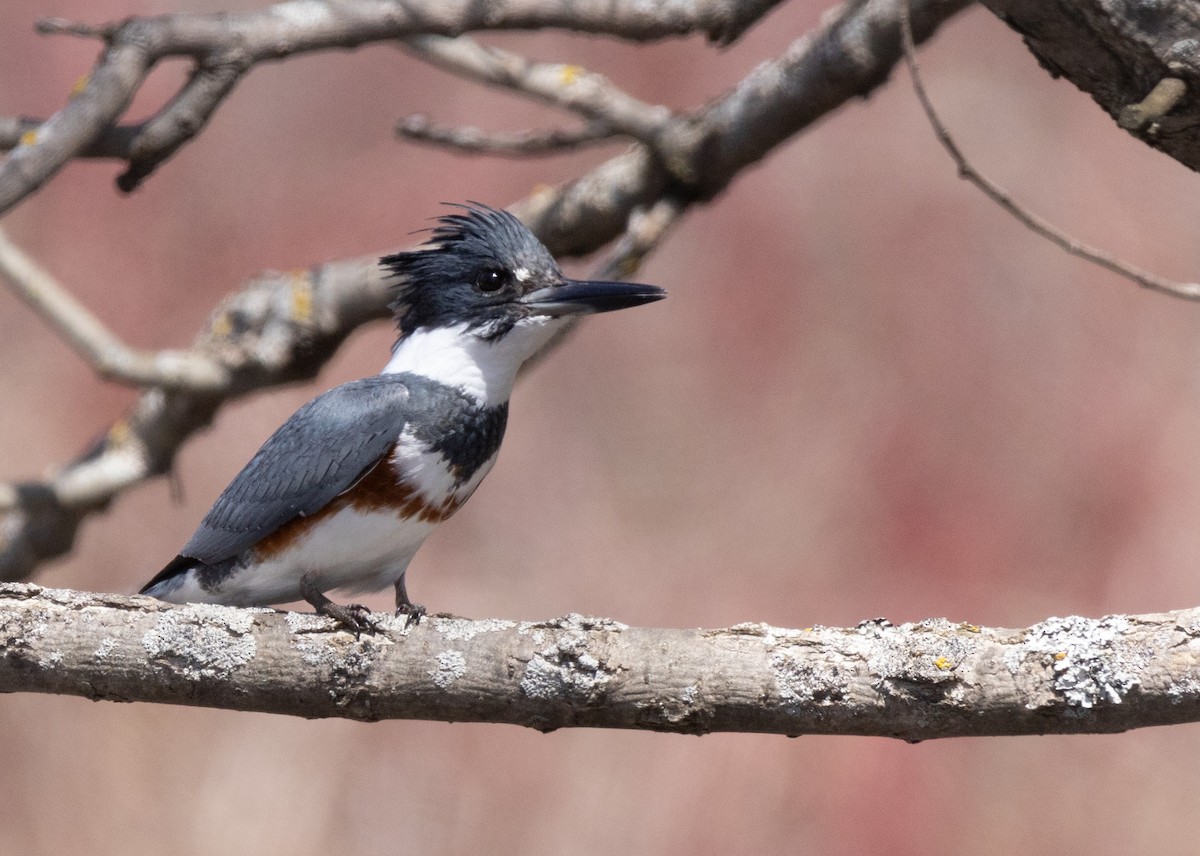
490,281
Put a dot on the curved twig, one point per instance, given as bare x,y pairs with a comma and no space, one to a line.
476,141
571,87
86,333
993,191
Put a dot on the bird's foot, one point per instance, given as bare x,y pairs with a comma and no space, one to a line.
353,616
414,611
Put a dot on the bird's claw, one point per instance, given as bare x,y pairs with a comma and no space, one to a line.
353,616
414,611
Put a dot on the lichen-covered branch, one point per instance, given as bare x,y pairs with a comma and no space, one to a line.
933,678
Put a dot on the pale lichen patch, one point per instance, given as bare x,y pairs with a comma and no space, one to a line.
565,669
464,629
917,660
302,13
313,653
575,621
201,641
1088,656
1186,689
451,666
305,622
799,684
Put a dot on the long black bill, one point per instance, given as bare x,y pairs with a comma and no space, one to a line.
584,296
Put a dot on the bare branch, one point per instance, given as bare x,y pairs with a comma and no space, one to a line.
62,27
225,45
75,128
847,56
87,334
571,87
113,142
1184,290
934,678
468,140
645,231
1117,52
183,116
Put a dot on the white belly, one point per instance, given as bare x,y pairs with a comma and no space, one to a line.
349,550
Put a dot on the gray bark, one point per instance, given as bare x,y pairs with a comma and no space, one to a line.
934,678
1119,51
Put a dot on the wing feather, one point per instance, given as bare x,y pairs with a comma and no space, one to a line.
320,452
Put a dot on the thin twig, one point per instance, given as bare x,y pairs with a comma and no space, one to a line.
1184,290
570,87
468,140
645,228
87,334
50,26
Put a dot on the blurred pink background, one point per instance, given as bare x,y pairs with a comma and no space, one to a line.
870,393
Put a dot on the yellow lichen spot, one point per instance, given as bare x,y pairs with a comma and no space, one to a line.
970,628
1061,655
119,433
29,137
80,84
302,299
221,326
943,664
568,74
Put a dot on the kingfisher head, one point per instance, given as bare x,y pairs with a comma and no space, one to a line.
484,273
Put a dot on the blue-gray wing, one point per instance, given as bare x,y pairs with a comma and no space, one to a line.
321,451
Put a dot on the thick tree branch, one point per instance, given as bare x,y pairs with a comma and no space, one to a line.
934,678
1119,51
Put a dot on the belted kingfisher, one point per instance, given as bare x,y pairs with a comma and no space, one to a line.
345,491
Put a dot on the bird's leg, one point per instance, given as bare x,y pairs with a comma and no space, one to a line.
353,616
404,606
